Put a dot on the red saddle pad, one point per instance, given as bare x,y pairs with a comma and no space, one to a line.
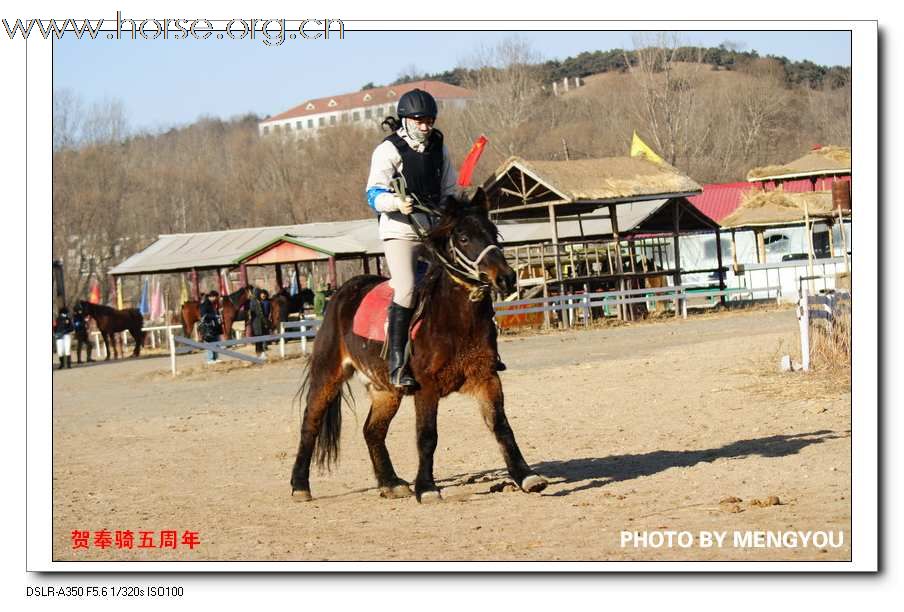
370,318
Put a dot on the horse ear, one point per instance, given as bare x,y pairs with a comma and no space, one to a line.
480,199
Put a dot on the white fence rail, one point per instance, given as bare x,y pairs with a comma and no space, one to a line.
152,335
583,302
307,328
786,274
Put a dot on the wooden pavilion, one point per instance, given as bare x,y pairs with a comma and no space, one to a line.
637,201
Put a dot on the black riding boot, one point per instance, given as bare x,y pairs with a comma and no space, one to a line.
397,335
68,361
62,363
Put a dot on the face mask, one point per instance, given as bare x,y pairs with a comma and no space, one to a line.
416,134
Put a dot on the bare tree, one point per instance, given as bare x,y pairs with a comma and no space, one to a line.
667,97
510,94
67,119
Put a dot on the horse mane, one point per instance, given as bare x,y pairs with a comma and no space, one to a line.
453,213
235,295
100,308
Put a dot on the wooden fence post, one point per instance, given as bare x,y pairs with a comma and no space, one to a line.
172,349
282,341
804,328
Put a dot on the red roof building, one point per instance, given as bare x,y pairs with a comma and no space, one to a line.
719,200
368,106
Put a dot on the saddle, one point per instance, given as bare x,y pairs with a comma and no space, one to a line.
370,318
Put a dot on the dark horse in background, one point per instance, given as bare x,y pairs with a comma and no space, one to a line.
454,350
109,321
234,307
283,304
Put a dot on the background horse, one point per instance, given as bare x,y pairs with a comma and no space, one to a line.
234,309
110,320
191,314
454,350
282,304
81,334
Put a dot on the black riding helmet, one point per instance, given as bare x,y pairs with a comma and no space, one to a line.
416,104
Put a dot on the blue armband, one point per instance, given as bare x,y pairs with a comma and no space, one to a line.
372,194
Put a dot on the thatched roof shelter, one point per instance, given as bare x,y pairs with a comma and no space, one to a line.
526,189
556,190
828,160
769,208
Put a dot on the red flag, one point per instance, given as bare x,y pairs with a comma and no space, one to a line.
94,296
467,166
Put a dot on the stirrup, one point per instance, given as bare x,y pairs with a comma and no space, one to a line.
402,378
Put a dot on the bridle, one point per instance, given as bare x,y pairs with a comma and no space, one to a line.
461,268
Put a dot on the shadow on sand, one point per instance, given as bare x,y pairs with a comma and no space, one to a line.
594,472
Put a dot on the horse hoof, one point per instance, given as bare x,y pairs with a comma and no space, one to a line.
430,497
395,492
533,484
301,495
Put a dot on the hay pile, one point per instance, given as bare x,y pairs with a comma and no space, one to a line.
777,207
825,160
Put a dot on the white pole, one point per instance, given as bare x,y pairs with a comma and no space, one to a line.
805,327
282,341
172,349
847,263
304,339
97,343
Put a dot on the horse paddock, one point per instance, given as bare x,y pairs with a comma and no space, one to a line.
653,427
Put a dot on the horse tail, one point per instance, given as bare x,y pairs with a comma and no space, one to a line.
323,380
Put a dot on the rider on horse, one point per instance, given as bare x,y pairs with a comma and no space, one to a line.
415,151
415,154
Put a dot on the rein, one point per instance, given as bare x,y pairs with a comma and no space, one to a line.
462,270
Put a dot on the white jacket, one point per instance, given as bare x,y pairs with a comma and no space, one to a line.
384,164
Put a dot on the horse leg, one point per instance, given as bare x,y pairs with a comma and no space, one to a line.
425,408
383,408
107,343
139,340
320,425
491,399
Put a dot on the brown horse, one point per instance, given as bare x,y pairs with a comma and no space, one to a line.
191,314
232,309
454,350
110,321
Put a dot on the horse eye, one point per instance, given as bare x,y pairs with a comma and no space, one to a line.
463,239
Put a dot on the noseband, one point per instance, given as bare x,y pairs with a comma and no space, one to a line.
470,266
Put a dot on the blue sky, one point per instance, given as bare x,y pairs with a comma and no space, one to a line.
173,82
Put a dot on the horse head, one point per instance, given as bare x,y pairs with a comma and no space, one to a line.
467,238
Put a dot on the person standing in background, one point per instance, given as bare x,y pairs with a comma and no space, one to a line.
210,327
62,332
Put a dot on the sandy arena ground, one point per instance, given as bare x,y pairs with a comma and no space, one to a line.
648,426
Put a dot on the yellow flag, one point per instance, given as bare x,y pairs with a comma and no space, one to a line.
640,149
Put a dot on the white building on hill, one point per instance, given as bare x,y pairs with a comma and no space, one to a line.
369,106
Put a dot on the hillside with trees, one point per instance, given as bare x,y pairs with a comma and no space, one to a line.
712,115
